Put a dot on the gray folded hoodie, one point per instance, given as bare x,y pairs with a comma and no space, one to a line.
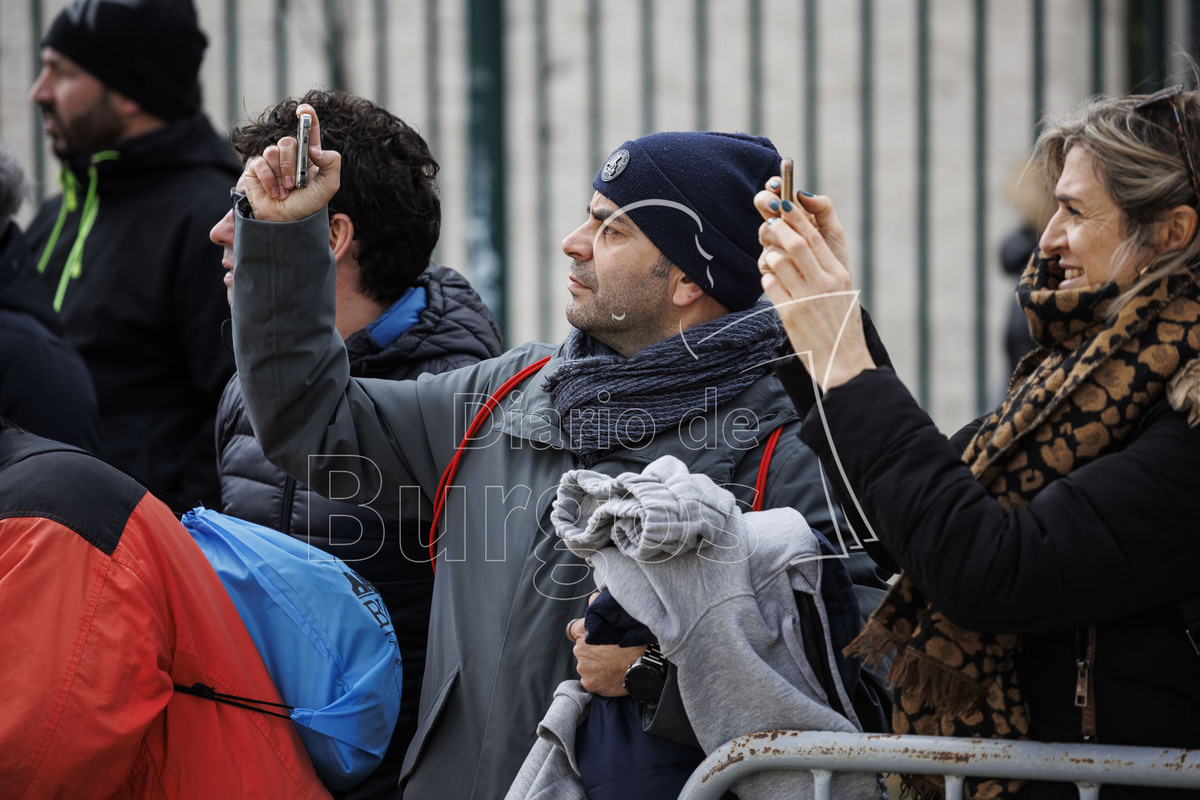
716,587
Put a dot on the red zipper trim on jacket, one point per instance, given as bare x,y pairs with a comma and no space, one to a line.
439,498
760,486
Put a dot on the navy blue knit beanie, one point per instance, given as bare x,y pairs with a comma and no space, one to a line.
148,50
694,197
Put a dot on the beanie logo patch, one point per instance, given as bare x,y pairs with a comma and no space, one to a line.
85,10
615,165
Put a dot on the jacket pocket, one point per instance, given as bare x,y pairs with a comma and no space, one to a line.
427,723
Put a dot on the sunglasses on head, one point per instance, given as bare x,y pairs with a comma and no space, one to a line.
1167,98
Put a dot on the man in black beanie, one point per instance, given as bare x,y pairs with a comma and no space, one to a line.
669,355
124,249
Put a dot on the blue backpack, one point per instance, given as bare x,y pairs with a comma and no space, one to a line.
324,634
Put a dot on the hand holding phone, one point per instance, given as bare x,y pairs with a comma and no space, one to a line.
303,135
271,199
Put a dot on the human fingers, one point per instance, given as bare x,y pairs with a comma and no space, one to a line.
314,141
823,215
602,667
789,269
319,157
261,177
289,154
767,200
796,233
272,202
576,630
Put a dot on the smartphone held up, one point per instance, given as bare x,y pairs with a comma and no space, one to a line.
304,135
786,192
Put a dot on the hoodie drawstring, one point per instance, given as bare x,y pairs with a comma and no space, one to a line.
73,268
66,181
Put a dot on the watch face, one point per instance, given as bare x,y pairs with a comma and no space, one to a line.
644,682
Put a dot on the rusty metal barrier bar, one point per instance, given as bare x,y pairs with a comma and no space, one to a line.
1088,766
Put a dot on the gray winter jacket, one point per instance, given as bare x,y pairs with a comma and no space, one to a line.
454,329
716,588
506,586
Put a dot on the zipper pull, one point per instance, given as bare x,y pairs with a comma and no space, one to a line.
1081,683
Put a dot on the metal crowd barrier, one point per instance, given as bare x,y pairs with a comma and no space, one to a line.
823,753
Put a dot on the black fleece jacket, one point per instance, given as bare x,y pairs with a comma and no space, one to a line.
146,307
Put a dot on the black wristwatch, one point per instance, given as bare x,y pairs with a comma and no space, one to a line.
243,206
644,680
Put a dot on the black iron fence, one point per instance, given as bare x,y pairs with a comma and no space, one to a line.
909,113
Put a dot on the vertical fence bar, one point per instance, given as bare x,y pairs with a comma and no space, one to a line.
381,59
867,148
431,131
923,339
1097,36
1038,90
433,78
595,85
1155,62
334,45
701,64
647,67
981,186
810,95
1178,41
755,66
822,784
542,121
231,61
281,48
486,181
36,25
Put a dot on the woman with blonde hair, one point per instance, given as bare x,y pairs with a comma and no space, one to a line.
1050,550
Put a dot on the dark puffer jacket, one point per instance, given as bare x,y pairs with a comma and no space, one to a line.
455,329
44,385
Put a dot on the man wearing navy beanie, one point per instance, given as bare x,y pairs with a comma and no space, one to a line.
124,250
669,353
683,191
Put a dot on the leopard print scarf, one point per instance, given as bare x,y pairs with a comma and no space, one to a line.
1073,399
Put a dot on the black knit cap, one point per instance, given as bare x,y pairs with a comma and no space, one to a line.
694,195
148,50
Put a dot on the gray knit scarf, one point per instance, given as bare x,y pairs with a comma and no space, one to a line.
605,400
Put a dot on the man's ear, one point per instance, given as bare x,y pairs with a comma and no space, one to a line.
684,290
137,120
341,235
1177,228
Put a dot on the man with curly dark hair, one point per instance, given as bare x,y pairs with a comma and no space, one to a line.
400,316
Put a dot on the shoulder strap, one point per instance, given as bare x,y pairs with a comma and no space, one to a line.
760,485
439,498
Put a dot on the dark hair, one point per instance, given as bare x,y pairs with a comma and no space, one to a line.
388,186
14,187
